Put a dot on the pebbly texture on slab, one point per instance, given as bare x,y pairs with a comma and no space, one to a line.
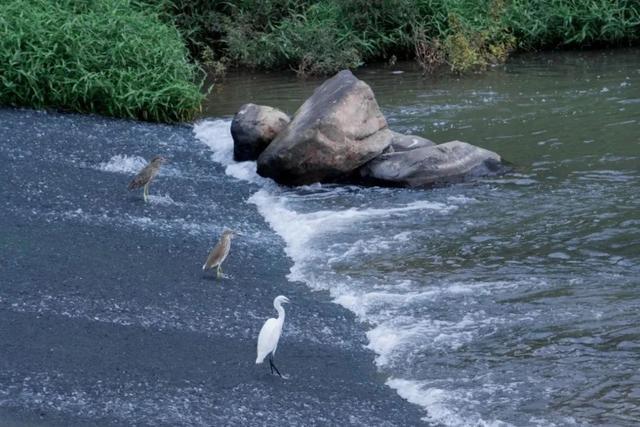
337,130
253,128
450,162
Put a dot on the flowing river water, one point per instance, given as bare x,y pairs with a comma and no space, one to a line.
505,301
513,300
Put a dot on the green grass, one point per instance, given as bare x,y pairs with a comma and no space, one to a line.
100,56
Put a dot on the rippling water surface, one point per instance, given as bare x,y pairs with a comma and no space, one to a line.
513,300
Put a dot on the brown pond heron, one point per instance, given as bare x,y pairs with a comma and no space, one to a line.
146,175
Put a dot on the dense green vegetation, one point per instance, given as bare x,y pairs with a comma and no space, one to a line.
100,56
321,36
132,58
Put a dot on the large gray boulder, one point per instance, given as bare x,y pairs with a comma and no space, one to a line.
253,128
402,142
337,130
450,162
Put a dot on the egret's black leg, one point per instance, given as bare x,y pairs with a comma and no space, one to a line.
273,366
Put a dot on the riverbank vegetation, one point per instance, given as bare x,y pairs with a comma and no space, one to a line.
100,56
322,36
137,58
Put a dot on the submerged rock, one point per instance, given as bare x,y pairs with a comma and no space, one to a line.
253,128
402,142
337,130
450,162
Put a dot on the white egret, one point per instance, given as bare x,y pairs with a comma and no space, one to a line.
270,334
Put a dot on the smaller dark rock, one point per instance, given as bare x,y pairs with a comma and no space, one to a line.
253,128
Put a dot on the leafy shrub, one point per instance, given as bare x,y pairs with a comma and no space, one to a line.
322,36
313,40
103,56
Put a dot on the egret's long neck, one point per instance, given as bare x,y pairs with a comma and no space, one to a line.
280,310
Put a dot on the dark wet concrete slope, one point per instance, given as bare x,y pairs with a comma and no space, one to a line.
106,317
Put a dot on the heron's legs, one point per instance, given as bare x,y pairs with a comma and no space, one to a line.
219,271
146,191
273,366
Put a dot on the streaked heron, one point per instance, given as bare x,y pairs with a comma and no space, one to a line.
270,334
146,175
219,252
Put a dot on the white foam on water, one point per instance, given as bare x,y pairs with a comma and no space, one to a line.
441,404
361,247
365,302
131,165
216,134
163,199
403,236
311,247
122,163
396,335
300,230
